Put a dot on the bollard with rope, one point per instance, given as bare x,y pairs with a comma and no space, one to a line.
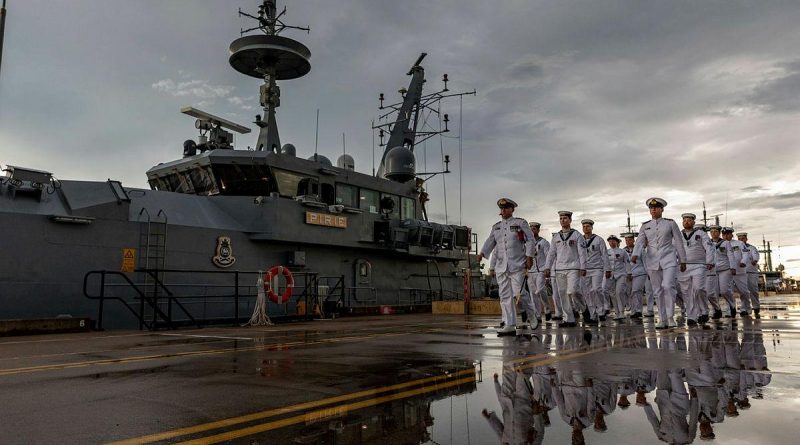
260,317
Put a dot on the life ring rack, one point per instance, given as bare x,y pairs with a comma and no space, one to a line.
287,294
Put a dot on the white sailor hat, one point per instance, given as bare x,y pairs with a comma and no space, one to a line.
614,237
714,227
565,213
656,202
689,215
535,224
506,203
628,235
700,226
741,234
727,230
587,221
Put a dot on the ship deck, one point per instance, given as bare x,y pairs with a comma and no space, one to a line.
417,378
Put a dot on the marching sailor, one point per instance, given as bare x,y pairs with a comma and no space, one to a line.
616,285
664,250
536,273
719,284
699,259
638,278
511,240
597,267
740,272
752,272
567,259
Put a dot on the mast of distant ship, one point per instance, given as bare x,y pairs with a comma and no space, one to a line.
2,29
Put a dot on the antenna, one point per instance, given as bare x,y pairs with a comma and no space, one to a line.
316,134
2,28
344,145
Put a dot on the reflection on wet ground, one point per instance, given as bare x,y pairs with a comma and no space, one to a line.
419,379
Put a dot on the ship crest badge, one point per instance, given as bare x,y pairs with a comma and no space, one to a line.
224,256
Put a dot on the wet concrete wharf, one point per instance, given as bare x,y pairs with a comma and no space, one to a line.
409,379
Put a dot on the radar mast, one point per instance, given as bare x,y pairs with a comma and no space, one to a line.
270,57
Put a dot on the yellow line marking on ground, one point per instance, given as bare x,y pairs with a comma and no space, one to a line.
322,414
285,410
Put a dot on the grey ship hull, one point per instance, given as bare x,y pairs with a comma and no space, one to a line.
52,241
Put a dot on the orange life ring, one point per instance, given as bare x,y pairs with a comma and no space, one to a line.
287,274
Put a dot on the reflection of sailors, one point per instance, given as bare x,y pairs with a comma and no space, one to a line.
671,425
575,401
705,385
514,393
605,400
543,380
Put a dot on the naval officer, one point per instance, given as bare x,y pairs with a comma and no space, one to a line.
752,272
699,259
511,240
569,261
662,237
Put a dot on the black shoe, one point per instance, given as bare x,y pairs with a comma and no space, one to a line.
702,319
757,313
586,315
547,316
608,311
567,324
743,313
590,321
717,314
602,318
733,313
636,315
649,315
524,316
691,322
502,325
576,314
556,318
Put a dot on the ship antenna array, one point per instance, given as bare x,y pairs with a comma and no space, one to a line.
403,128
707,216
628,226
269,57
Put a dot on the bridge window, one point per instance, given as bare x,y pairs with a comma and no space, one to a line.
347,195
291,184
407,209
369,200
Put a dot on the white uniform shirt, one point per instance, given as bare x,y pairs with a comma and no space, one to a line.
752,256
638,268
511,240
662,237
723,255
540,248
739,255
697,248
595,252
620,262
566,252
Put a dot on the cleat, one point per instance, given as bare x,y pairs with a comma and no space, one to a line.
507,330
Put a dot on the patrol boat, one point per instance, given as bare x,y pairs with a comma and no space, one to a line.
189,249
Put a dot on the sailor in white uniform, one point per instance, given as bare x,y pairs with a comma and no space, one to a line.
617,284
699,259
742,255
738,272
752,272
662,237
719,282
536,273
638,278
567,259
596,269
511,240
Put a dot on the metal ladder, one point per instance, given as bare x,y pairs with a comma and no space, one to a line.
153,248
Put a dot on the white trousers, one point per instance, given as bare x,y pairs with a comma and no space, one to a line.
510,285
740,281
719,285
648,288
593,292
538,292
691,283
617,288
636,292
567,282
664,290
752,286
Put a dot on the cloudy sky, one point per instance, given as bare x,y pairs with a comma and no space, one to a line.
591,106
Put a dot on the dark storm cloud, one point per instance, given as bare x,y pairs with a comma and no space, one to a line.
593,106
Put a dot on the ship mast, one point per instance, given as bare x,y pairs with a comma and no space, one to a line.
269,57
2,29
